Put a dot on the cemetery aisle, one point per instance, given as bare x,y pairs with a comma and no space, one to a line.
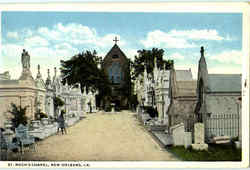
102,136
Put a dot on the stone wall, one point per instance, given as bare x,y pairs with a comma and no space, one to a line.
25,97
181,109
223,103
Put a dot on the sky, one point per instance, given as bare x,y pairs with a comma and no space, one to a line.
53,36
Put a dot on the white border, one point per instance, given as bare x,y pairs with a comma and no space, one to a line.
129,7
200,7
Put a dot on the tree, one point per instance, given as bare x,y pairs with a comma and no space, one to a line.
58,102
83,68
19,115
147,58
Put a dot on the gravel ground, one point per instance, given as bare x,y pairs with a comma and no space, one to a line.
102,137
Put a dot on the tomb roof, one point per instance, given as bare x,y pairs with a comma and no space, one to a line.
224,82
186,88
183,75
9,82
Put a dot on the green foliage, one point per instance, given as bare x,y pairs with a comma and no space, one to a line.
151,111
83,69
107,108
214,153
126,88
58,102
147,58
133,100
19,115
235,139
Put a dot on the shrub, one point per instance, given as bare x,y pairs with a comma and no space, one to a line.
189,148
151,111
19,115
235,139
107,108
58,102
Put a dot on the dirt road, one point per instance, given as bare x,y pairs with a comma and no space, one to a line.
102,136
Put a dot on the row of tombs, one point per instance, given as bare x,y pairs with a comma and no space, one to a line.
213,101
39,96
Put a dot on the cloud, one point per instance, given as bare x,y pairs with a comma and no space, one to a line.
181,38
106,40
11,51
26,32
197,34
225,70
177,56
231,56
77,34
19,35
35,41
45,56
158,38
13,35
65,51
130,53
50,45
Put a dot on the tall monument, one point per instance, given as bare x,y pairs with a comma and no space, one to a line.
26,73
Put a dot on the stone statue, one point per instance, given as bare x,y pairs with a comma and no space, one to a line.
25,60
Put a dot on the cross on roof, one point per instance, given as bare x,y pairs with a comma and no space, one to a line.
115,40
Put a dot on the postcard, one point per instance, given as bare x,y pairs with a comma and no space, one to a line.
152,85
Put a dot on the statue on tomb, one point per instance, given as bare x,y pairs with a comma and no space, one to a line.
26,74
25,60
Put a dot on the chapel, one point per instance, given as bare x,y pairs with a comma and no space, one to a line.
116,67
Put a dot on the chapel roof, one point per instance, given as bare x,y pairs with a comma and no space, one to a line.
224,82
115,49
186,88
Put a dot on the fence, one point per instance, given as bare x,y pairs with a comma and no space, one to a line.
189,123
222,125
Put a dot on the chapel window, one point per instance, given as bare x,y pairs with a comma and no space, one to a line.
115,56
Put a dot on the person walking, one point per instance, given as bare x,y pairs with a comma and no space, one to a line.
61,124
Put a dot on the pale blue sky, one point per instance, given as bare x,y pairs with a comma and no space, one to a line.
52,36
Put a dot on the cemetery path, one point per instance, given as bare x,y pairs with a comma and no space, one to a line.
102,136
